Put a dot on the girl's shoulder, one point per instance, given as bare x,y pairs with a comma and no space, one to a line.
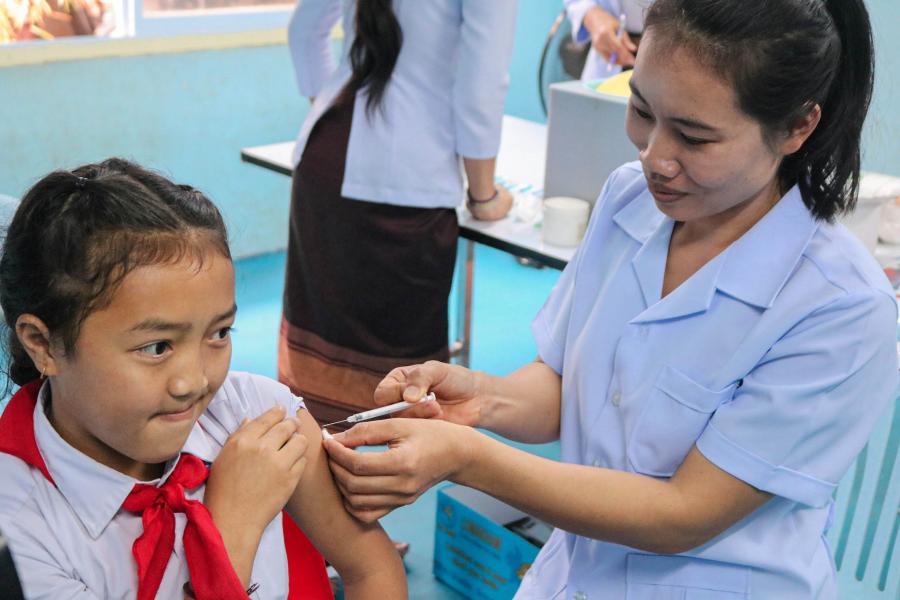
245,395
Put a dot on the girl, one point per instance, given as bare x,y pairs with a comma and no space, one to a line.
718,351
118,289
418,93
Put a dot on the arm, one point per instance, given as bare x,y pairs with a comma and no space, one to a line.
597,22
364,556
696,504
522,406
309,40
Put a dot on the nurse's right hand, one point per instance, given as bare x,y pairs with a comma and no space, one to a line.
459,392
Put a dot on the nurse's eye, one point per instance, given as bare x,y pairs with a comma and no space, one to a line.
692,141
222,334
154,350
641,113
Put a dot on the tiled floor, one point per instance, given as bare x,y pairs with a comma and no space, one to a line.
507,296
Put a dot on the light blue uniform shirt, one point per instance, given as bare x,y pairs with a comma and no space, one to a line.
775,359
444,101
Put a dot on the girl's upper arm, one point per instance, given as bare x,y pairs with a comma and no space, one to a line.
356,549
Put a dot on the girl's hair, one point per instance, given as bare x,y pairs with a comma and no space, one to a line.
783,57
375,49
76,235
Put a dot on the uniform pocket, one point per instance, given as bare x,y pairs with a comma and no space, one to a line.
674,415
654,577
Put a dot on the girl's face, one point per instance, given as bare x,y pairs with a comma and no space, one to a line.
702,156
146,366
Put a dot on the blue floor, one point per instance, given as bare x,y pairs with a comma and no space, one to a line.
506,298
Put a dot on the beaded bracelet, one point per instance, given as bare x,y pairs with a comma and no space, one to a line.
477,202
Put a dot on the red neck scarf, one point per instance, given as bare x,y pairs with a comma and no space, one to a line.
212,575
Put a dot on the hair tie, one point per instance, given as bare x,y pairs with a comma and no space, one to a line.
80,182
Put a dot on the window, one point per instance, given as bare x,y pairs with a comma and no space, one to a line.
24,20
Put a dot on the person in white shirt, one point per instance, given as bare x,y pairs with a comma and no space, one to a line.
118,289
613,47
409,115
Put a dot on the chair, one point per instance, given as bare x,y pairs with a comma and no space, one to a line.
561,59
864,535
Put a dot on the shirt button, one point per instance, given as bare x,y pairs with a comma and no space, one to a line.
580,596
616,398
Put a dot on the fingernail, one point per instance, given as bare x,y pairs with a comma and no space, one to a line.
412,392
326,435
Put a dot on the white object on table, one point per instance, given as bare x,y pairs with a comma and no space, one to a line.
565,220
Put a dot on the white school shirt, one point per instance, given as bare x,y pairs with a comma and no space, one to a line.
444,100
775,359
596,66
72,540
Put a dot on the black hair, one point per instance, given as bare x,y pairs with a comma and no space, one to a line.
783,57
375,49
76,235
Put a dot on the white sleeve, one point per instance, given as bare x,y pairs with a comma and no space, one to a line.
309,41
576,9
482,75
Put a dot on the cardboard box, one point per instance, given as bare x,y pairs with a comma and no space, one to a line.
474,551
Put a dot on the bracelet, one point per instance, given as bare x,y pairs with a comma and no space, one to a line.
477,202
188,590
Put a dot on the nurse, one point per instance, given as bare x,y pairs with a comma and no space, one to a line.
613,43
718,351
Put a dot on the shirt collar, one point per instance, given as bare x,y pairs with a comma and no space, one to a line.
753,269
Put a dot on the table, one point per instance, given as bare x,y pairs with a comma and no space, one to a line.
520,166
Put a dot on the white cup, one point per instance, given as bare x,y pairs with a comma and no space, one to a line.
565,220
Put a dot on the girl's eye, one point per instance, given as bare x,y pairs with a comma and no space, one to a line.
223,334
694,141
640,113
155,349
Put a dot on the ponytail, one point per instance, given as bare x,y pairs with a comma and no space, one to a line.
376,47
784,57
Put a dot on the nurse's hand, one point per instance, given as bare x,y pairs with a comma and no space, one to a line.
457,389
604,29
420,454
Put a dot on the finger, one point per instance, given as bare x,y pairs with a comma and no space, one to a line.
294,449
629,43
423,410
298,468
366,516
390,389
350,484
422,378
386,502
364,463
263,423
373,433
278,435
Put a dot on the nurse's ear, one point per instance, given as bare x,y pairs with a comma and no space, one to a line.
35,338
800,130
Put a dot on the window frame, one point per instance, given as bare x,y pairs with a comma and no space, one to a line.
132,20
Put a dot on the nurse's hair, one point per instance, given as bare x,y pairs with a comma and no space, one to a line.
783,57
376,46
77,234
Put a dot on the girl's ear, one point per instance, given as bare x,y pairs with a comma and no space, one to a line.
35,338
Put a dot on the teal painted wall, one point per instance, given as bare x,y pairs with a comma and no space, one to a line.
189,114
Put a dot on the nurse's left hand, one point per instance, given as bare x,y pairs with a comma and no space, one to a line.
420,454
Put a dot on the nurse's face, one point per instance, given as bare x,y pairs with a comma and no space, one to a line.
146,366
702,156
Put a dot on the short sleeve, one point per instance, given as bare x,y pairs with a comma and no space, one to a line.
551,325
245,395
802,415
482,78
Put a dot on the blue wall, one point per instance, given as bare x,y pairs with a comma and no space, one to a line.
189,114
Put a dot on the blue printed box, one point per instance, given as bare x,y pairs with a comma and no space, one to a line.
474,553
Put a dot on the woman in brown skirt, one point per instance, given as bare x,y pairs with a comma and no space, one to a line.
418,94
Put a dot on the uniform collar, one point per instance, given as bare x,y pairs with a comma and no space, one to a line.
753,269
94,491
